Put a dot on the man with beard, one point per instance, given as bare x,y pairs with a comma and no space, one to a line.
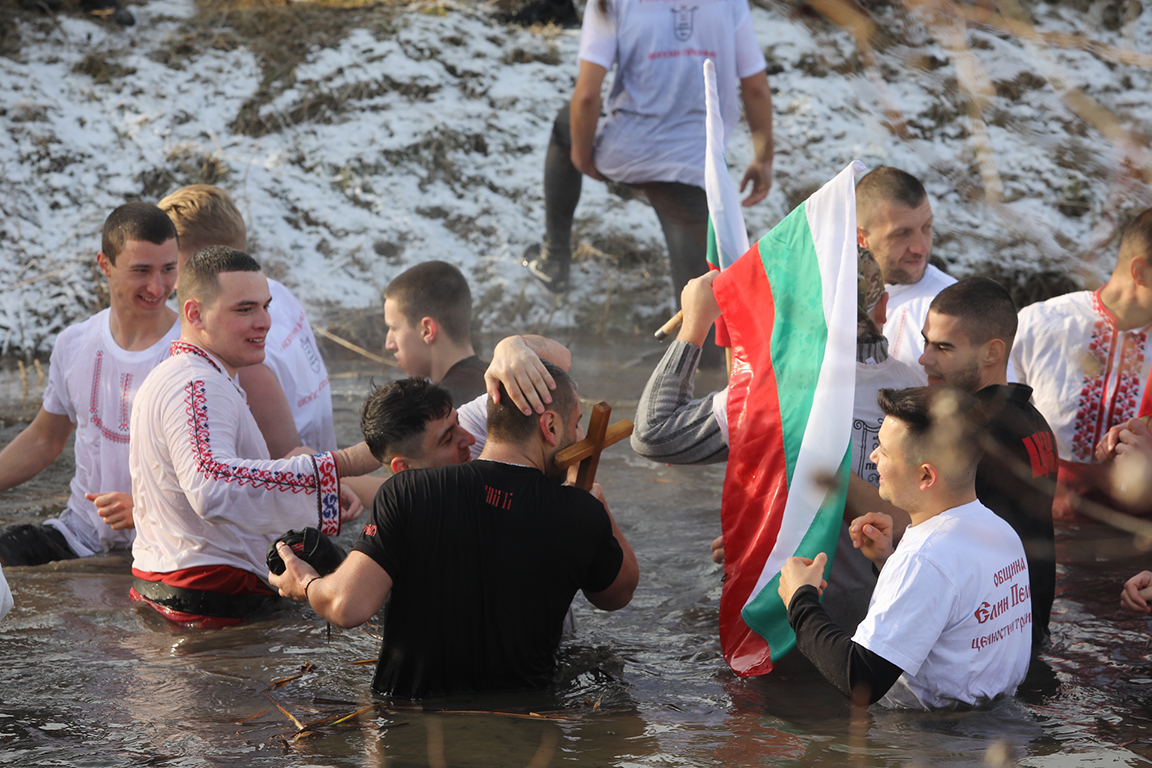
480,560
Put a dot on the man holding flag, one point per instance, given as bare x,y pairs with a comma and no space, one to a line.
949,622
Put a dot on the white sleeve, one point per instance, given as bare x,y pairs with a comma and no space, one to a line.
1016,362
56,398
720,411
749,57
6,602
473,418
266,496
597,37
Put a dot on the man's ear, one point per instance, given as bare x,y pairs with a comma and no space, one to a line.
550,427
861,237
929,476
1141,273
399,464
429,330
192,314
995,350
104,264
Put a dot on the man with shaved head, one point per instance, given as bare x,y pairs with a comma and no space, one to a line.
894,221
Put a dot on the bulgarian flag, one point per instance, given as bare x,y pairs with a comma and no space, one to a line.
727,233
790,306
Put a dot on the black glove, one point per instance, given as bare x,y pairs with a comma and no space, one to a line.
311,546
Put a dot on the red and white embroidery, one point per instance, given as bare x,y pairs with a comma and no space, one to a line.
120,436
184,348
196,406
329,476
1110,390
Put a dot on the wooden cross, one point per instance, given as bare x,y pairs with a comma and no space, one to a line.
587,451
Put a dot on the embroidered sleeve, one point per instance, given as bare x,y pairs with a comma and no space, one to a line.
261,495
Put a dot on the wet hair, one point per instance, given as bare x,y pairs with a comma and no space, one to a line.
1137,238
396,415
885,186
985,307
200,277
438,290
205,215
508,424
143,222
945,427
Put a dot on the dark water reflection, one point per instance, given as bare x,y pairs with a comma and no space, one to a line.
89,679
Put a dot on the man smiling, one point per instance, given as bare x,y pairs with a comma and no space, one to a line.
209,500
96,367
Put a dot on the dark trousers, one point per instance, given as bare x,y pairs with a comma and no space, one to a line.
681,208
33,545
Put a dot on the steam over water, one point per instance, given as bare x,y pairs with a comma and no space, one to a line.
89,679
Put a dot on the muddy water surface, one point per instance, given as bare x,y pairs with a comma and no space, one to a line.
89,679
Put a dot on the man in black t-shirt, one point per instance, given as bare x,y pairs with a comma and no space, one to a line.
968,335
481,561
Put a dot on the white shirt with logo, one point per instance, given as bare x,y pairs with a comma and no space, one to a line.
92,381
653,123
952,608
290,352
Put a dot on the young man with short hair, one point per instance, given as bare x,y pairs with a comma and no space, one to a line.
95,370
209,500
289,392
894,221
948,625
480,561
428,311
1087,356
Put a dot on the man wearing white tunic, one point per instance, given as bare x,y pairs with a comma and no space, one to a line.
1086,356
209,500
96,367
894,222
289,392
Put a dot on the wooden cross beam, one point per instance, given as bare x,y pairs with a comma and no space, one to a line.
587,451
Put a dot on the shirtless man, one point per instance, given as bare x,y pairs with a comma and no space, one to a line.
95,370
288,393
209,500
1086,356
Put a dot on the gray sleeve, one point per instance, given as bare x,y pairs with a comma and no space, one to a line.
671,427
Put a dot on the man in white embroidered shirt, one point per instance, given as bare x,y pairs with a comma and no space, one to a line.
208,499
949,624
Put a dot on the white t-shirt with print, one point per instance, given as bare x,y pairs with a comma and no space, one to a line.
652,128
92,381
952,608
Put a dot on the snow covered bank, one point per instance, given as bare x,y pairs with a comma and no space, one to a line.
421,133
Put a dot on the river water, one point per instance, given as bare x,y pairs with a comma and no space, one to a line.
89,679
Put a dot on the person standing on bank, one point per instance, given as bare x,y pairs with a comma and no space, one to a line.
651,135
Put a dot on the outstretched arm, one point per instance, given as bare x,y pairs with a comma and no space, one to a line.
347,597
671,426
34,448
